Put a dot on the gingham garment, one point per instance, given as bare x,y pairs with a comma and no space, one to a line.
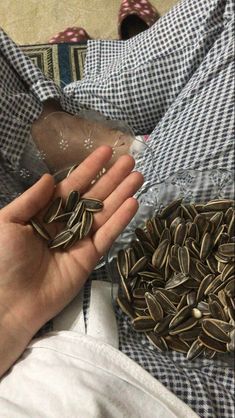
174,81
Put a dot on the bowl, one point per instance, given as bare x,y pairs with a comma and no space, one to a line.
176,275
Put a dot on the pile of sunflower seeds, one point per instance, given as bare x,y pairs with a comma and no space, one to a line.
76,215
177,279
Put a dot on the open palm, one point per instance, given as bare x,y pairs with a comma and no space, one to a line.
35,282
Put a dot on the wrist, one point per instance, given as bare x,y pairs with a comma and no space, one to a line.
14,338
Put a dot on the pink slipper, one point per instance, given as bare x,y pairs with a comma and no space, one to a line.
70,35
134,17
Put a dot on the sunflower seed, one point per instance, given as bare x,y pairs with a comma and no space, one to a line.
76,215
158,226
72,201
165,303
206,246
165,235
176,280
64,217
139,293
212,263
76,236
60,239
40,229
227,250
176,344
193,231
228,271
184,260
154,307
180,317
191,334
92,205
162,326
170,208
125,289
122,263
212,329
195,350
211,343
141,235
203,307
148,248
216,308
53,210
131,257
143,323
217,218
138,266
217,205
208,353
158,342
126,307
71,169
160,255
231,344
180,234
184,326
230,288
87,221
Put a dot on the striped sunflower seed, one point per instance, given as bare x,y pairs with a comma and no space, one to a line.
176,344
39,228
93,205
211,343
184,326
87,221
143,323
184,260
160,254
158,342
76,215
212,329
195,350
60,239
53,210
169,209
154,307
72,201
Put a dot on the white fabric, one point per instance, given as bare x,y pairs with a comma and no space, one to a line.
72,317
71,375
102,322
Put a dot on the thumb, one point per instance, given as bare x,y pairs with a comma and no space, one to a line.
30,202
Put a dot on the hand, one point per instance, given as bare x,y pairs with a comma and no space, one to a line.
37,283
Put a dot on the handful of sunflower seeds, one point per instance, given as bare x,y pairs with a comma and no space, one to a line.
76,213
177,279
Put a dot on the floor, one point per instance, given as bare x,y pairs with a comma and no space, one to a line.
35,21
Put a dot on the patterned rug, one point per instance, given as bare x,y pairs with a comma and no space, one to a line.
63,63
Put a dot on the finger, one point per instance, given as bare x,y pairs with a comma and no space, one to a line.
30,202
126,189
106,235
110,180
81,178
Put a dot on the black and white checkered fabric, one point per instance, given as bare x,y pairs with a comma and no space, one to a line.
174,81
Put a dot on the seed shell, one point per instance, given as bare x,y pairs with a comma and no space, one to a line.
60,239
214,331
72,201
154,307
40,229
93,205
53,210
